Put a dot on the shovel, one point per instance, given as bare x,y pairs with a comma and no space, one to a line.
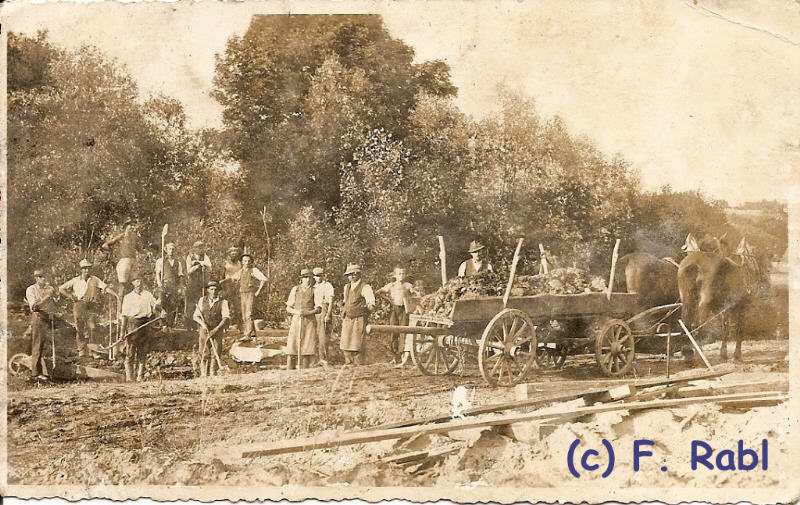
223,369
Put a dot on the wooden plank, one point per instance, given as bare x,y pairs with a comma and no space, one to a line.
726,388
540,400
328,440
527,391
87,372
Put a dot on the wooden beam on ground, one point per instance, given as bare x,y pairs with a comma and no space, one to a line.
98,374
726,388
329,440
556,397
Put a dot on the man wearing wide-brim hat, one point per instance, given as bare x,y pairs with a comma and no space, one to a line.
303,304
251,282
40,297
477,263
212,315
84,291
359,300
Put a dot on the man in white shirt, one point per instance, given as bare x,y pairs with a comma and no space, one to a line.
324,291
84,291
359,300
138,308
477,263
399,293
251,282
212,315
40,297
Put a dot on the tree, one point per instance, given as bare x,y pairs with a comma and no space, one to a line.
295,89
83,152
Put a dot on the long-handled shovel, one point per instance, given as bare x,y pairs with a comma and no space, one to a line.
124,337
222,368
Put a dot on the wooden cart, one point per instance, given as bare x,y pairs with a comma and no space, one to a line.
530,331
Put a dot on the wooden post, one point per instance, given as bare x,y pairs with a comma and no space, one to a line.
669,352
613,270
513,271
694,343
443,260
544,268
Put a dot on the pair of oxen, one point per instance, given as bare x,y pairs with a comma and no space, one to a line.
714,287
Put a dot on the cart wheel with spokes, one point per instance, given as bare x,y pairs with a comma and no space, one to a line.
19,363
614,348
433,354
507,349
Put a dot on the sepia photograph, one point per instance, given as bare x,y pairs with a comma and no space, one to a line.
477,251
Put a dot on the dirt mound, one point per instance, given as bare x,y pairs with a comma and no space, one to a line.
558,281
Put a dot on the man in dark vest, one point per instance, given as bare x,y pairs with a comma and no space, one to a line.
84,291
251,282
359,300
169,277
198,273
304,303
228,288
212,315
477,263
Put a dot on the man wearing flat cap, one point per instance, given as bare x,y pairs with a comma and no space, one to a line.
212,315
359,300
477,263
40,297
198,272
84,291
251,282
169,278
324,290
304,303
138,308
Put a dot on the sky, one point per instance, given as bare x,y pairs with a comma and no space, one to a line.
701,95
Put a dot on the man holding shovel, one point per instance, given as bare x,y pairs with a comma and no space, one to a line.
138,308
40,297
212,315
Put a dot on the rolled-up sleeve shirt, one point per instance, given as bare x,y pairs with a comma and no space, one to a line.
80,286
293,297
225,309
138,305
205,261
35,294
323,290
366,292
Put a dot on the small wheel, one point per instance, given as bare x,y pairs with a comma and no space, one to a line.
549,357
614,348
433,355
507,348
19,363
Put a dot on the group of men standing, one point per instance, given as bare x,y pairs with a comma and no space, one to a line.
209,305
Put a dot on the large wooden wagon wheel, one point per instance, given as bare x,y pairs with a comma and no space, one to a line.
433,354
507,348
614,348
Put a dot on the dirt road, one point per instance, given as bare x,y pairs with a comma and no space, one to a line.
179,431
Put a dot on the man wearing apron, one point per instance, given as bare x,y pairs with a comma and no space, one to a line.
359,300
303,304
169,277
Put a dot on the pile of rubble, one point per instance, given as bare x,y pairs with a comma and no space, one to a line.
558,281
